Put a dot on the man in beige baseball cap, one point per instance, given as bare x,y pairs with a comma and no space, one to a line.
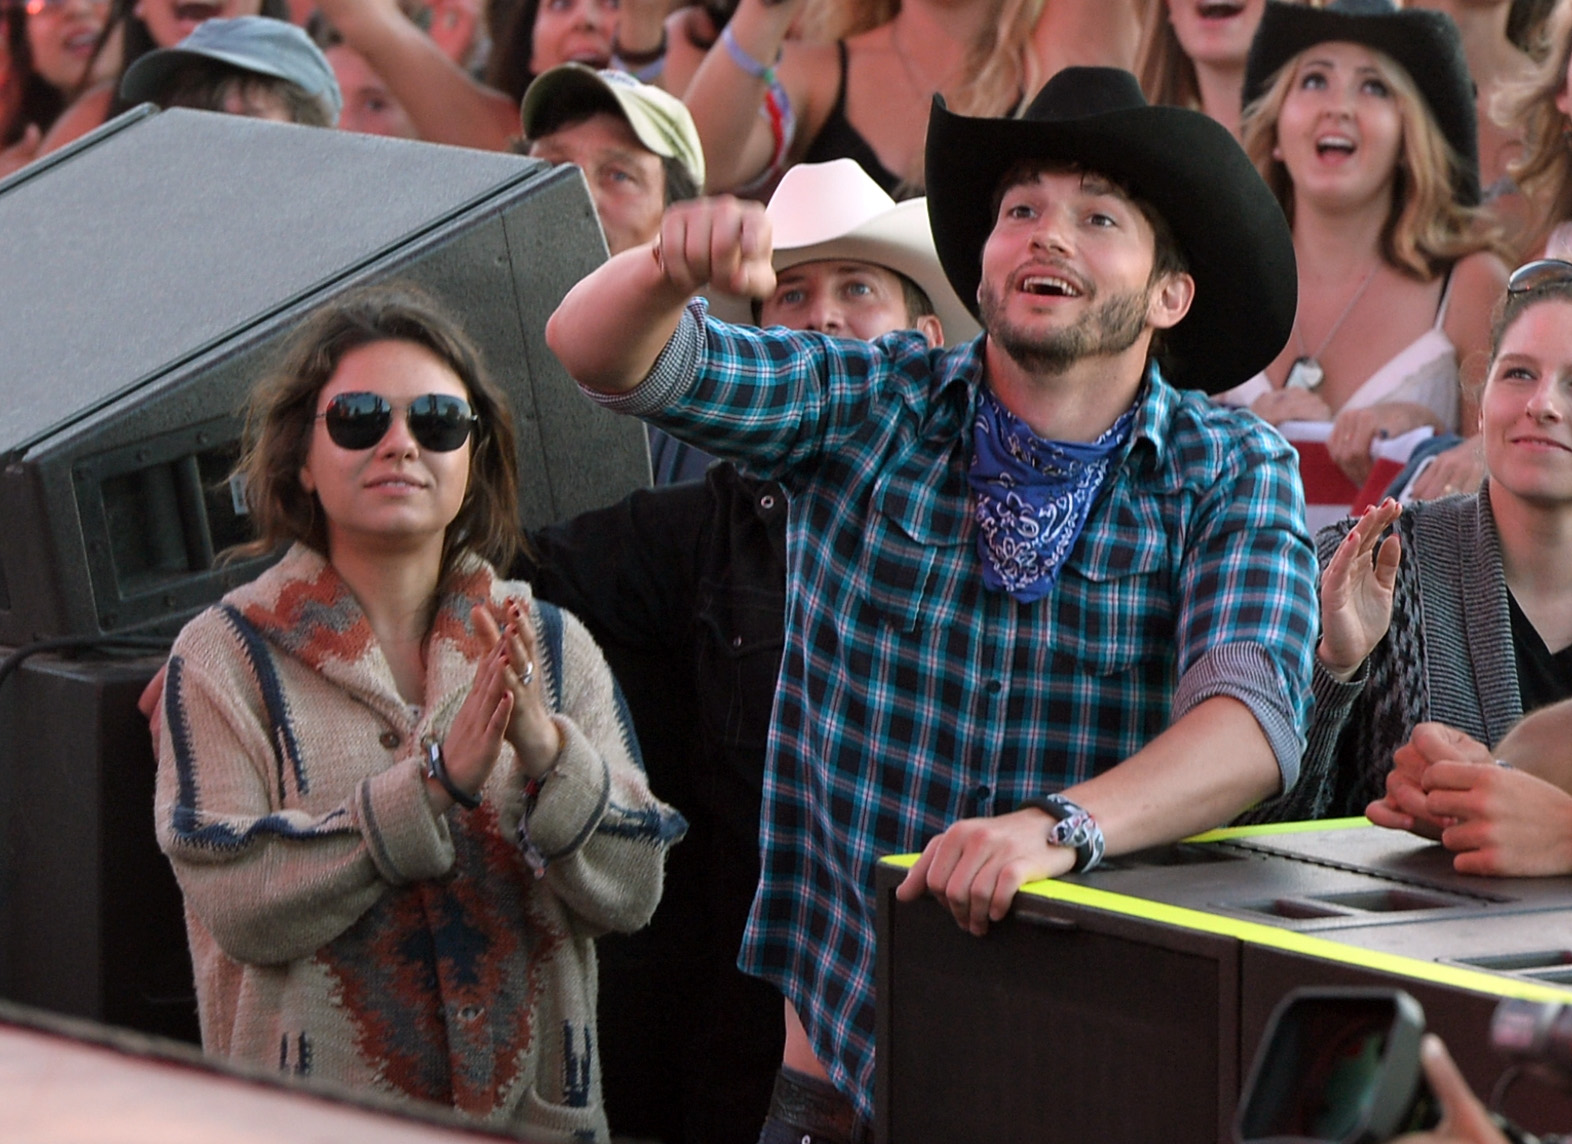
636,144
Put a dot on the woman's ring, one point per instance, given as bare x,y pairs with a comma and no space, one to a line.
528,677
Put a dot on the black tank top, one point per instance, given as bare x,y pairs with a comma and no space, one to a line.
838,139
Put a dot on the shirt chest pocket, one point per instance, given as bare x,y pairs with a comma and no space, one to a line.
917,548
1115,601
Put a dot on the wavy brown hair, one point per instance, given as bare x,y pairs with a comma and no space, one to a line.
1427,229
281,415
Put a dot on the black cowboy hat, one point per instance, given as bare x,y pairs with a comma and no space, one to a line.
1424,43
1187,166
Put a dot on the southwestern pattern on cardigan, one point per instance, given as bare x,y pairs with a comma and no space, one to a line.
338,927
1447,656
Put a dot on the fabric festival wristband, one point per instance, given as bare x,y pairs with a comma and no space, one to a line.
740,56
438,770
1074,827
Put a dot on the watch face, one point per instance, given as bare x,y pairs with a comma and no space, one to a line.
1072,831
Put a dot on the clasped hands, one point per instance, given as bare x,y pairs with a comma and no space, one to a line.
506,703
1498,820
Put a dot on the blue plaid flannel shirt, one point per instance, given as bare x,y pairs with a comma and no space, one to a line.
910,696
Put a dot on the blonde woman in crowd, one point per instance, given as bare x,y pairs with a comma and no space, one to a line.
1539,108
1496,65
1193,52
860,81
1362,121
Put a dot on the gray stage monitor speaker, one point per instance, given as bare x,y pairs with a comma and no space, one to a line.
150,273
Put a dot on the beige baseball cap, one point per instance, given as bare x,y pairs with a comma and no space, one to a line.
657,117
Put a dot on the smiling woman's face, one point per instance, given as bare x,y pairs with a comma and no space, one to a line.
170,21
1526,412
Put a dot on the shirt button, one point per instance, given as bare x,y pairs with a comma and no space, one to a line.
390,739
994,687
766,502
736,641
469,1012
984,792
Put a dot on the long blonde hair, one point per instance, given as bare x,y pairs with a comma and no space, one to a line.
1428,229
1528,107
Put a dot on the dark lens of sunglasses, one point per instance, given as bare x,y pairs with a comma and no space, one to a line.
439,422
357,420
1543,272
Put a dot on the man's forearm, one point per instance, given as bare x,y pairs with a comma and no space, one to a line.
1214,762
614,323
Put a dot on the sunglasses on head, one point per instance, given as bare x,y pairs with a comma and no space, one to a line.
437,421
1540,272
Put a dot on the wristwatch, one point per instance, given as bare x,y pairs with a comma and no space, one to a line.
1073,828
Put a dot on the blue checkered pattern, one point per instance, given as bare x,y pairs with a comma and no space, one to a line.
911,696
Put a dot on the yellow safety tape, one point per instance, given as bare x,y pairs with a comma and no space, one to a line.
1289,941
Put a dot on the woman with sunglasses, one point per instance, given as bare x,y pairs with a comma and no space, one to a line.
1360,116
398,792
1459,610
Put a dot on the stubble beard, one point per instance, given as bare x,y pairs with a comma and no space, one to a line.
1108,329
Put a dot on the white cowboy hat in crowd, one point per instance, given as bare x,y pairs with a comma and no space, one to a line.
833,211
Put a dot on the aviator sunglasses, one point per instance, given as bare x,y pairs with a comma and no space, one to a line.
1540,272
437,421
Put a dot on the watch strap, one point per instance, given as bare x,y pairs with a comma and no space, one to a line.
1073,828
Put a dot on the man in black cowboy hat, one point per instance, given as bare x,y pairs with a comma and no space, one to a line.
1045,601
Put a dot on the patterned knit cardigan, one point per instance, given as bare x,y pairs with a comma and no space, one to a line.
339,928
1447,656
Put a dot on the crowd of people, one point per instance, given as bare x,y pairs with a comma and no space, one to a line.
1014,601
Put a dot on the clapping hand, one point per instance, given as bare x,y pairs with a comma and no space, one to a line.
1356,592
531,730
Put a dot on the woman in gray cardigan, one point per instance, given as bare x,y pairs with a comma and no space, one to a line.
1462,612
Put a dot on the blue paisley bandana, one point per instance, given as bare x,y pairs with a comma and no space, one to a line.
1033,496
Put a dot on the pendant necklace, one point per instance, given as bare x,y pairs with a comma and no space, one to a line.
1307,371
